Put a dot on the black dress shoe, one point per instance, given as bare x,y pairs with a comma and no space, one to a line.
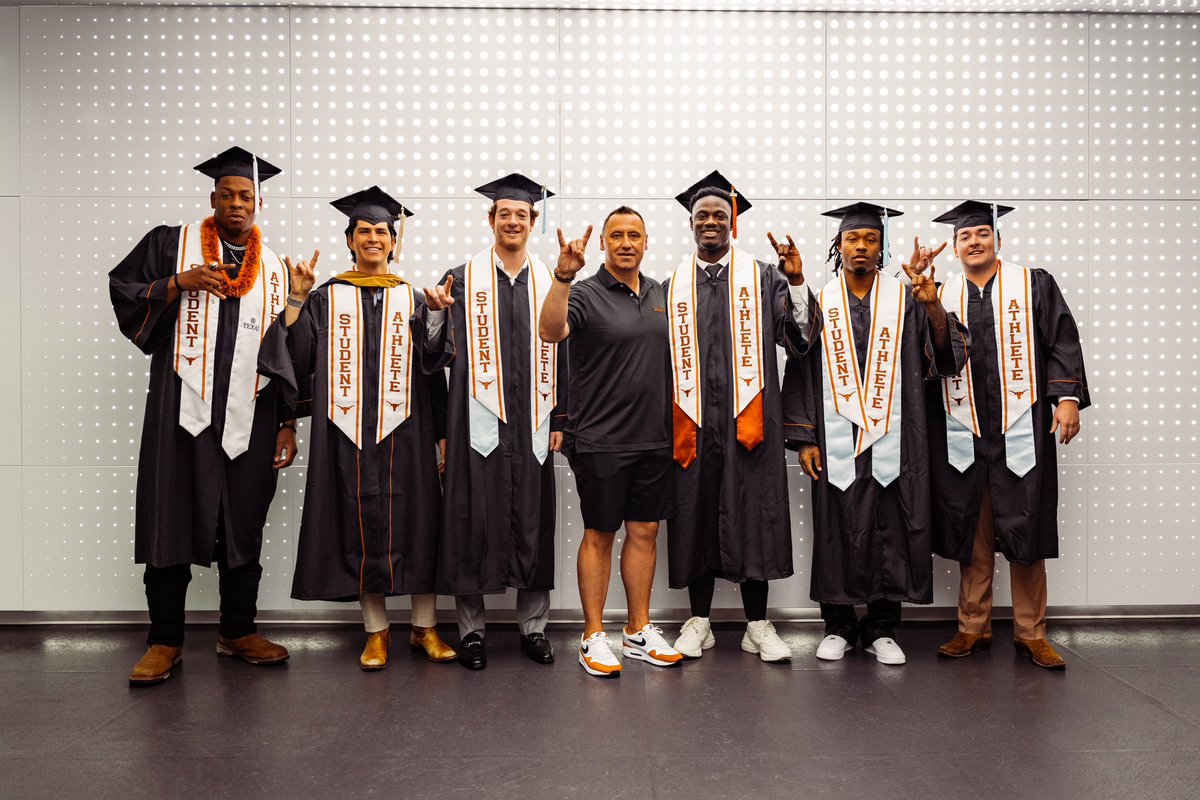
538,648
471,653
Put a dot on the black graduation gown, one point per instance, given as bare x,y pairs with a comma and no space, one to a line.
187,487
498,520
731,515
371,515
1026,508
872,542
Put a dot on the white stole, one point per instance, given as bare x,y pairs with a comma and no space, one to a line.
196,344
745,322
873,402
1012,312
485,405
347,353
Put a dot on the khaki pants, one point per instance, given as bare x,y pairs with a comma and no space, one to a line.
975,585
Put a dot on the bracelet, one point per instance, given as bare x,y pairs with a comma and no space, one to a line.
560,278
289,425
294,303
175,278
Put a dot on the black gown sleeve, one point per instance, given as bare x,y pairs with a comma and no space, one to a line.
942,363
1065,376
138,288
288,354
435,381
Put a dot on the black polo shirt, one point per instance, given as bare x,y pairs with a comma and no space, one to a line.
619,384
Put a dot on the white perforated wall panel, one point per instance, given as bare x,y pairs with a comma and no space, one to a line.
1089,124
1145,125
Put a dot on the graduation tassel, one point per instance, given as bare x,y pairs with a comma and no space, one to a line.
887,240
996,229
257,185
733,194
543,210
400,235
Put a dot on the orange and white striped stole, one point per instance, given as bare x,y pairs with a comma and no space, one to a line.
346,361
872,402
746,366
486,402
196,342
1016,354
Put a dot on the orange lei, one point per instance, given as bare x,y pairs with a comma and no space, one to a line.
210,248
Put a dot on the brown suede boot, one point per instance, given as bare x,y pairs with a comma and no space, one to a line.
253,649
375,655
427,639
155,665
963,644
1041,652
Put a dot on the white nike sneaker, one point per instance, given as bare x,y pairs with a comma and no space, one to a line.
695,637
832,648
596,656
761,638
649,645
886,651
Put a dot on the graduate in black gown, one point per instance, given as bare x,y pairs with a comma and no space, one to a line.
372,503
197,299
505,416
996,470
730,518
864,442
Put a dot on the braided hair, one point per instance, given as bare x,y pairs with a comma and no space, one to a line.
835,255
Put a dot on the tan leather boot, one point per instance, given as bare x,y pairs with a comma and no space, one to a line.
155,665
963,644
253,649
375,654
427,639
1041,652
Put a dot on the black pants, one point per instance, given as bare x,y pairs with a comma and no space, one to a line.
880,621
166,595
754,597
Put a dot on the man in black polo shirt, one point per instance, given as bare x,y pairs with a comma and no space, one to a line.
618,434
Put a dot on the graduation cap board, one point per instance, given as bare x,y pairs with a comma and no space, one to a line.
858,216
518,187
236,162
715,180
374,205
972,214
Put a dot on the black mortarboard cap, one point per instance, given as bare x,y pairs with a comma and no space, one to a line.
238,162
515,187
972,214
714,180
372,205
861,215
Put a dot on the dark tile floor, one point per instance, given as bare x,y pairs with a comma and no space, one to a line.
1122,722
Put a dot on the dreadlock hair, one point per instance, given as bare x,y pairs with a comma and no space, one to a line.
835,255
350,229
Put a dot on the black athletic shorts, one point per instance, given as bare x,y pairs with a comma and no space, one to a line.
614,487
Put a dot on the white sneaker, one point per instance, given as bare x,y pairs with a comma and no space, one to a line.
886,651
832,648
649,645
761,638
695,637
596,656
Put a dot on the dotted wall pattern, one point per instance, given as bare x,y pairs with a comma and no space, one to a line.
1088,124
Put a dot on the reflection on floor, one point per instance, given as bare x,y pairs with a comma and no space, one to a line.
1123,721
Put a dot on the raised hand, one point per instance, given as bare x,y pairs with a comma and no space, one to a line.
204,278
790,263
924,288
440,298
303,275
570,254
